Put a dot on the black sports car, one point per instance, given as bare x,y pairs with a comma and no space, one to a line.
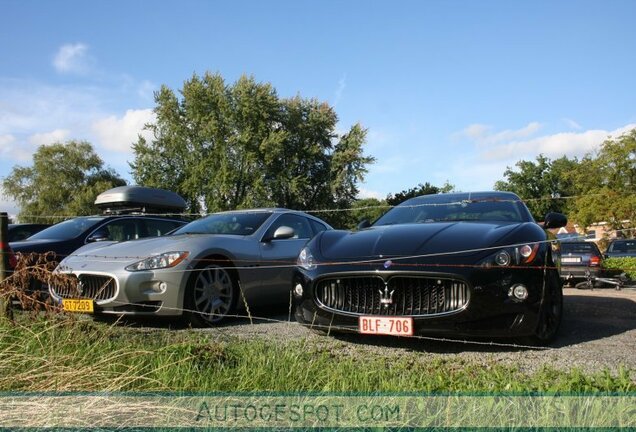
462,264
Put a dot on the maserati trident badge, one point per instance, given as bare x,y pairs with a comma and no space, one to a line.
386,297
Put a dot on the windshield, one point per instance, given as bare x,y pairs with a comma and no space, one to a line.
579,247
623,246
68,229
226,223
453,209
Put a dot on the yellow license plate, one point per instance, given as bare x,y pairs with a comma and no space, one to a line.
78,305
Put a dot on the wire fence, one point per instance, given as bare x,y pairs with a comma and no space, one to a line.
19,286
347,209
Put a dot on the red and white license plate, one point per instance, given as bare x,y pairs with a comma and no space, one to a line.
395,326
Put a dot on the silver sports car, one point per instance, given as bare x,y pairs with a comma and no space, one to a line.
205,269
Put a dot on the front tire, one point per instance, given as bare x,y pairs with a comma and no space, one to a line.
550,315
211,295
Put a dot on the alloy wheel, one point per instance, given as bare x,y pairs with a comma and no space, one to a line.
212,293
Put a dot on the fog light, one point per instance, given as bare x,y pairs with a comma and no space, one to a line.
520,292
298,290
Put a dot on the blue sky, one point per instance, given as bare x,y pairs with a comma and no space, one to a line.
449,90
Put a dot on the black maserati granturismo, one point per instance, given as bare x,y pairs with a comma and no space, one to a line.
460,264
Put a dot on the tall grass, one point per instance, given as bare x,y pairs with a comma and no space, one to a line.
64,354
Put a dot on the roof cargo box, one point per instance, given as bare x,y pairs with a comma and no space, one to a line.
140,199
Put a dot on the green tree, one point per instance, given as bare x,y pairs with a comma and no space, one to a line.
542,184
239,146
606,183
65,179
361,209
420,189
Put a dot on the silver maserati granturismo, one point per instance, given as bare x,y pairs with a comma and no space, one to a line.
204,270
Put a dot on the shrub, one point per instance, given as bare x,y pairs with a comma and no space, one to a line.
620,265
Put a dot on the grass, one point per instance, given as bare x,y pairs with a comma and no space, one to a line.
66,354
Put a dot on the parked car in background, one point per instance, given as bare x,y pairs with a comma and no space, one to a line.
461,264
19,232
8,256
125,218
580,259
620,248
204,270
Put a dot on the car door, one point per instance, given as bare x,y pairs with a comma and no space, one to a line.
278,256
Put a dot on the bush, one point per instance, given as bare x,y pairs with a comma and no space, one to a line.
625,265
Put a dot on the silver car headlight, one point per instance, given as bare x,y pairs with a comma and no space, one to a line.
160,261
306,260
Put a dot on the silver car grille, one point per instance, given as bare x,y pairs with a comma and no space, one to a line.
399,296
96,287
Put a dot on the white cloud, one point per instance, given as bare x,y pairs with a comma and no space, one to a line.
572,124
118,134
6,141
72,58
367,193
475,131
8,206
58,135
10,150
484,134
146,90
342,84
556,145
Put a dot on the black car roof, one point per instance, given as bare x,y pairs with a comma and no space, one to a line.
463,196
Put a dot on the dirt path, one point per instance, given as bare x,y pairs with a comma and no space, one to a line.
598,331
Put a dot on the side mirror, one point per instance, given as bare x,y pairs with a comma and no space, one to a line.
99,235
364,223
282,233
555,220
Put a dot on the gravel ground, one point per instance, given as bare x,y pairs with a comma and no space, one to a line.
598,332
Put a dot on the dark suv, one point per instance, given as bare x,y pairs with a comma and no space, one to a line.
130,212
578,259
63,238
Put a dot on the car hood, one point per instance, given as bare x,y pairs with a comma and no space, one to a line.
416,239
135,250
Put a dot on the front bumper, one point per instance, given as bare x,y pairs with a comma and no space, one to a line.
155,293
489,312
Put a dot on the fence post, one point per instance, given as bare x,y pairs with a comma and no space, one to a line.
4,262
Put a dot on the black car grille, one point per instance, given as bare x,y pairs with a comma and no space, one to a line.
412,296
89,286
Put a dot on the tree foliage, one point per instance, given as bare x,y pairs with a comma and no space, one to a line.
606,183
420,189
365,208
227,146
65,179
542,183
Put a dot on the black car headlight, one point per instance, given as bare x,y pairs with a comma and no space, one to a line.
512,256
306,259
160,261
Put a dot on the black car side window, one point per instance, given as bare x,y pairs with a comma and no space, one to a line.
159,227
122,230
317,226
